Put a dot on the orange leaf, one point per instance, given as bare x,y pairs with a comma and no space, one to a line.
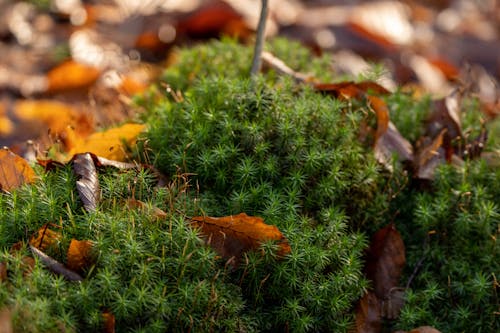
231,236
111,144
71,75
55,115
14,170
109,322
349,89
79,255
45,239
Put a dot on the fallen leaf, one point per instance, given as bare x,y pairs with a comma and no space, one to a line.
368,318
109,322
6,321
231,236
3,271
349,89
14,171
55,116
111,144
88,184
214,19
429,157
271,61
79,255
54,265
388,140
424,329
71,75
385,261
155,212
45,239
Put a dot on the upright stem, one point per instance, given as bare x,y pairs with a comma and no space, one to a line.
259,42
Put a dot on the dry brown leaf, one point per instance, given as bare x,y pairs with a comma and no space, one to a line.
109,322
368,318
424,329
88,185
388,140
79,255
6,320
349,89
111,144
385,261
3,271
14,171
429,157
155,212
71,75
231,236
45,239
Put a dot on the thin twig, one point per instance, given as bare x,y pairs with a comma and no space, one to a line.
259,42
55,266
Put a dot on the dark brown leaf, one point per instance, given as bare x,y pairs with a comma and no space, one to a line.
109,322
231,236
385,261
88,184
6,320
3,271
368,318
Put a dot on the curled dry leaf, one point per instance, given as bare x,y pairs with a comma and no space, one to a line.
429,157
14,170
71,75
111,144
421,329
155,212
55,266
231,236
79,255
88,184
45,239
388,140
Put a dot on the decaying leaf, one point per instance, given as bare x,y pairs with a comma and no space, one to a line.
111,144
79,256
429,157
71,75
269,60
385,261
368,318
45,239
350,89
388,140
55,266
6,325
109,322
155,212
231,236
88,184
14,170
3,271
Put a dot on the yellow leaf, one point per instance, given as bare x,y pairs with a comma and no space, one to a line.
71,75
111,144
